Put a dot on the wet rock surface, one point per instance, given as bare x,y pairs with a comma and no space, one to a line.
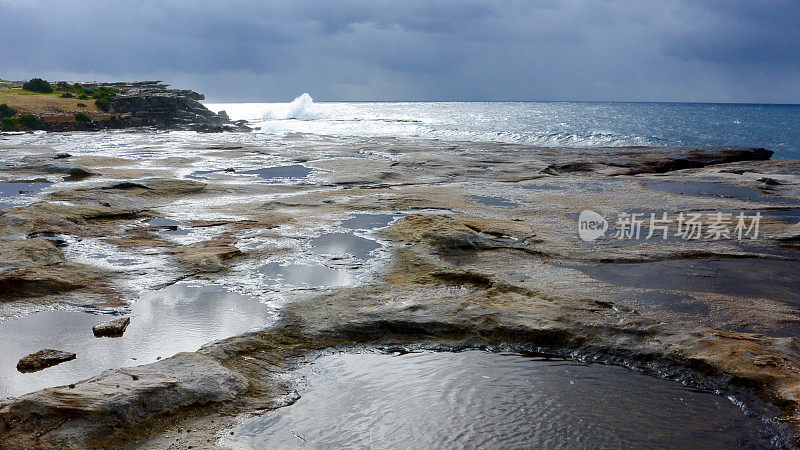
43,359
509,272
120,397
112,328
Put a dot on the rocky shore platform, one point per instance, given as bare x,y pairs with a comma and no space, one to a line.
484,252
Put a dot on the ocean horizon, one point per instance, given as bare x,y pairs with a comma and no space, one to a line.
582,124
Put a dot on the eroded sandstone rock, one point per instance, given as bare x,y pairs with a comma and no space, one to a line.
209,256
43,359
112,328
69,416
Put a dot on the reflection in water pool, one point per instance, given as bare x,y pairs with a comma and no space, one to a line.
267,173
710,189
305,275
479,399
755,277
19,193
180,318
290,171
343,244
368,221
493,201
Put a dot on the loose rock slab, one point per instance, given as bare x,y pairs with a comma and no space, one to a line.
112,328
43,359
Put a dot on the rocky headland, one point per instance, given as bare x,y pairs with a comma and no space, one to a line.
92,106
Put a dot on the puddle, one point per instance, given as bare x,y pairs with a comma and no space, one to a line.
342,245
709,189
267,173
493,201
290,171
517,277
19,193
201,174
751,277
475,399
166,223
669,301
169,226
182,317
331,260
790,215
307,275
368,221
543,187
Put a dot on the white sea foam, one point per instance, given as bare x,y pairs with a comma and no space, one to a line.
302,108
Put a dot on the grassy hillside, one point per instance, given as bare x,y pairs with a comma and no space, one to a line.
50,108
27,102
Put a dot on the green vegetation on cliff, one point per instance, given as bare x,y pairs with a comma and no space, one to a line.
19,123
82,118
38,85
102,95
6,111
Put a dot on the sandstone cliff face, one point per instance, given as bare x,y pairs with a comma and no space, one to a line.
152,104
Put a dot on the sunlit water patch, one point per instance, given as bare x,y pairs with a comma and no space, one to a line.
475,399
545,124
182,317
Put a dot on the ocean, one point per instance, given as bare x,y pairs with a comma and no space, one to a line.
547,124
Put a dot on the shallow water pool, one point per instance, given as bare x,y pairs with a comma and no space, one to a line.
180,318
479,399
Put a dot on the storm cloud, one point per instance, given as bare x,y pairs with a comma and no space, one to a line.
704,50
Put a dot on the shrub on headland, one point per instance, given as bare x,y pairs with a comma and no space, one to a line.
80,105
82,118
38,85
24,122
104,96
67,95
8,124
104,103
29,121
6,111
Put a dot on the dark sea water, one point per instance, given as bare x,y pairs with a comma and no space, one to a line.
549,124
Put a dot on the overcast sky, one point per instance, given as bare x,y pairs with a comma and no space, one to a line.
636,50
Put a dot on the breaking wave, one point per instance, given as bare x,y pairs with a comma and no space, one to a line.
302,108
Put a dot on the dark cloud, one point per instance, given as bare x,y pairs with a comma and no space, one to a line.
676,50
763,33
